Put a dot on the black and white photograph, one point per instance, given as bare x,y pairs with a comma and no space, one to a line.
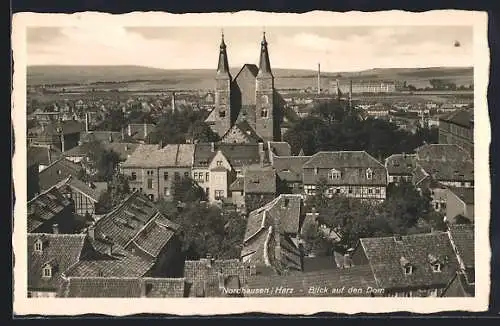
234,157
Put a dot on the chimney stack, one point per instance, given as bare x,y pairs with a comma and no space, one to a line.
55,229
319,79
212,146
129,131
145,130
49,154
91,232
123,134
261,154
86,121
110,137
62,142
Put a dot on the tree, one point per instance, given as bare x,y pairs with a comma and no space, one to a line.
118,190
100,163
315,242
186,190
113,121
207,229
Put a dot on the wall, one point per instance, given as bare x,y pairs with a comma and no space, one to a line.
182,172
218,181
83,204
455,206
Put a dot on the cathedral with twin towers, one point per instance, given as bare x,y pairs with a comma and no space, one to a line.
247,107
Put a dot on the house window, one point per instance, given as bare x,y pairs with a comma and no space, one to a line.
165,176
47,271
177,176
150,183
310,190
370,191
38,246
166,191
316,170
408,269
186,174
263,113
377,190
337,191
195,176
433,293
134,176
334,174
436,268
286,202
222,113
369,174
219,163
219,194
151,197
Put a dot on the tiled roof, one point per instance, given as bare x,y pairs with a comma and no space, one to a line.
352,165
284,211
278,218
341,159
348,278
442,152
400,164
101,136
462,238
465,194
90,191
259,181
254,70
448,171
121,263
60,250
244,128
44,207
40,155
205,275
462,117
56,172
289,168
237,185
280,148
387,256
122,287
238,154
136,220
68,127
172,155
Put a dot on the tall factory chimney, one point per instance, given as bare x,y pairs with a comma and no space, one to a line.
319,78
173,101
350,94
86,121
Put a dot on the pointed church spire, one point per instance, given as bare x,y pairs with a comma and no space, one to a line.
264,64
223,65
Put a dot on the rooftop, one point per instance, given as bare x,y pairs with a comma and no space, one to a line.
461,117
400,164
289,168
465,194
58,171
442,152
44,207
59,251
388,256
122,287
258,181
172,155
239,155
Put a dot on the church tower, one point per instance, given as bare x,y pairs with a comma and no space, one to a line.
264,92
222,115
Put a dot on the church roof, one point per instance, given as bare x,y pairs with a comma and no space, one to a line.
264,64
254,70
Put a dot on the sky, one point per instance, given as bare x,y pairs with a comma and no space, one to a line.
336,48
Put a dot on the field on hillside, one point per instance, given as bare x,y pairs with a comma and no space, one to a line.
132,78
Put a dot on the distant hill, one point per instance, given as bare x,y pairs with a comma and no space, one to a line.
204,78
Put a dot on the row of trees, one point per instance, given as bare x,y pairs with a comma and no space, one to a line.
405,211
332,126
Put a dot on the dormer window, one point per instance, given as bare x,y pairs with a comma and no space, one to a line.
406,265
222,113
369,174
219,163
38,246
334,174
436,268
263,113
408,270
47,271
